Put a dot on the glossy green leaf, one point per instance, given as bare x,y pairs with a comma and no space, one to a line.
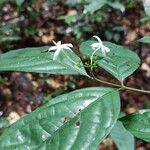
138,124
120,61
145,39
122,137
3,1
69,19
93,6
19,2
77,120
117,5
4,39
147,7
4,123
73,2
40,61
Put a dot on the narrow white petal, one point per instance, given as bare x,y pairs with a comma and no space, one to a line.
54,42
56,54
94,48
52,48
95,44
106,49
59,43
68,45
98,39
103,51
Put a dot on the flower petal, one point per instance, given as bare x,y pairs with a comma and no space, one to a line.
94,44
54,42
68,45
55,56
59,43
103,51
98,39
106,49
52,48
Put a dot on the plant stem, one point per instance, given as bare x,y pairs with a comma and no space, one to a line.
134,89
107,83
76,65
121,86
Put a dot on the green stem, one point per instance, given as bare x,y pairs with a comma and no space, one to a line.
105,82
121,86
76,65
92,58
134,89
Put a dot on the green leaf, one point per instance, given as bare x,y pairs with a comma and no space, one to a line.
147,7
138,124
145,39
93,6
19,2
69,19
3,1
77,120
117,5
120,61
9,38
4,123
40,61
122,138
73,2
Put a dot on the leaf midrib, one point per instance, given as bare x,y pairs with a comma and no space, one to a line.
77,116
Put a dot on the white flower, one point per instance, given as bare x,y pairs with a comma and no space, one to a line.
59,47
99,46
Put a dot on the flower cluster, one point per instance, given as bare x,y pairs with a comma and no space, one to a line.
95,46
